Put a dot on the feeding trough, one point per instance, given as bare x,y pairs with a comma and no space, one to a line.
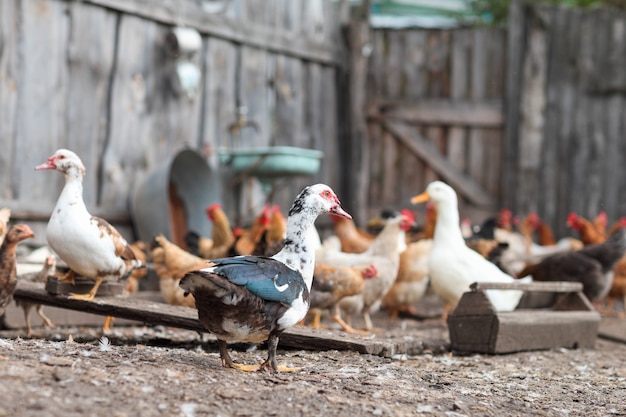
173,198
272,162
567,320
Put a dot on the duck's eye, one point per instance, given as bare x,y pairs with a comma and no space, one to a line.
326,194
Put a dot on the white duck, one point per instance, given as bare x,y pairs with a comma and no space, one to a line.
89,245
453,266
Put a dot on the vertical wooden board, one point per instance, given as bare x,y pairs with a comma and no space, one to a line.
376,64
613,157
42,103
548,192
289,111
90,58
134,143
391,150
9,81
375,172
477,165
437,61
456,150
594,182
414,65
435,135
253,94
394,60
254,11
220,103
327,142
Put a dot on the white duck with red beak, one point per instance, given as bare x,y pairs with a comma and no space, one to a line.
89,245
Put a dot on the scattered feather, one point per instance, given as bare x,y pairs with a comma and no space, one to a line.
104,344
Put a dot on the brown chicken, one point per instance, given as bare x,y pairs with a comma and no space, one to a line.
275,234
332,284
412,281
248,240
600,222
430,220
5,216
588,233
171,263
352,241
222,237
8,263
48,269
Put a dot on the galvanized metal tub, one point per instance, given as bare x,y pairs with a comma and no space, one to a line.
172,199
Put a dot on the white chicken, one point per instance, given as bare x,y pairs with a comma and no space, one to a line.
89,245
384,254
452,265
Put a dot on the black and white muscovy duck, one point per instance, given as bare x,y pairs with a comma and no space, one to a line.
255,298
89,245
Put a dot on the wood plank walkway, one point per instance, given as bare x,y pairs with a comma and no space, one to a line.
151,312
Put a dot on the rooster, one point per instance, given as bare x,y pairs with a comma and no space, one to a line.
589,234
222,236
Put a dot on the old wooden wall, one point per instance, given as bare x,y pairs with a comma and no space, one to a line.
566,122
435,112
94,76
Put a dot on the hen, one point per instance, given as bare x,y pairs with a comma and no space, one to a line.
47,270
248,241
222,236
452,265
412,281
352,241
588,233
8,264
171,263
332,284
89,245
5,216
592,266
384,254
275,233
253,299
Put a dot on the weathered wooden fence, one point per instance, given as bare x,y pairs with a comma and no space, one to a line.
95,76
529,118
566,120
435,111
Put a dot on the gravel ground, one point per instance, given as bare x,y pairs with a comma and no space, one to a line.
168,372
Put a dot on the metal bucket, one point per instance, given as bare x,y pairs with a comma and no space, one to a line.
173,198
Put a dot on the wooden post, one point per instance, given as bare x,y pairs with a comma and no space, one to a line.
515,52
356,150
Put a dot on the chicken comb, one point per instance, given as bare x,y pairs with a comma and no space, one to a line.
210,210
572,220
369,272
408,214
266,215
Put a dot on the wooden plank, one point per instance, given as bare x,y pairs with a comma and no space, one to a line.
421,148
157,313
253,35
9,81
477,163
456,150
42,104
515,53
90,58
356,191
558,287
475,113
41,211
438,42
414,65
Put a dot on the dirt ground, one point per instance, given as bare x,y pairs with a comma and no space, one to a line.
157,371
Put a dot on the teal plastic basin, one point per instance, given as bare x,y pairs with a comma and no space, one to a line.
273,161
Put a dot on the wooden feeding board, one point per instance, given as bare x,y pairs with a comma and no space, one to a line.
568,321
82,286
158,313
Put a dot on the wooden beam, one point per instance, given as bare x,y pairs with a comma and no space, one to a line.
157,313
217,25
424,150
23,210
470,113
